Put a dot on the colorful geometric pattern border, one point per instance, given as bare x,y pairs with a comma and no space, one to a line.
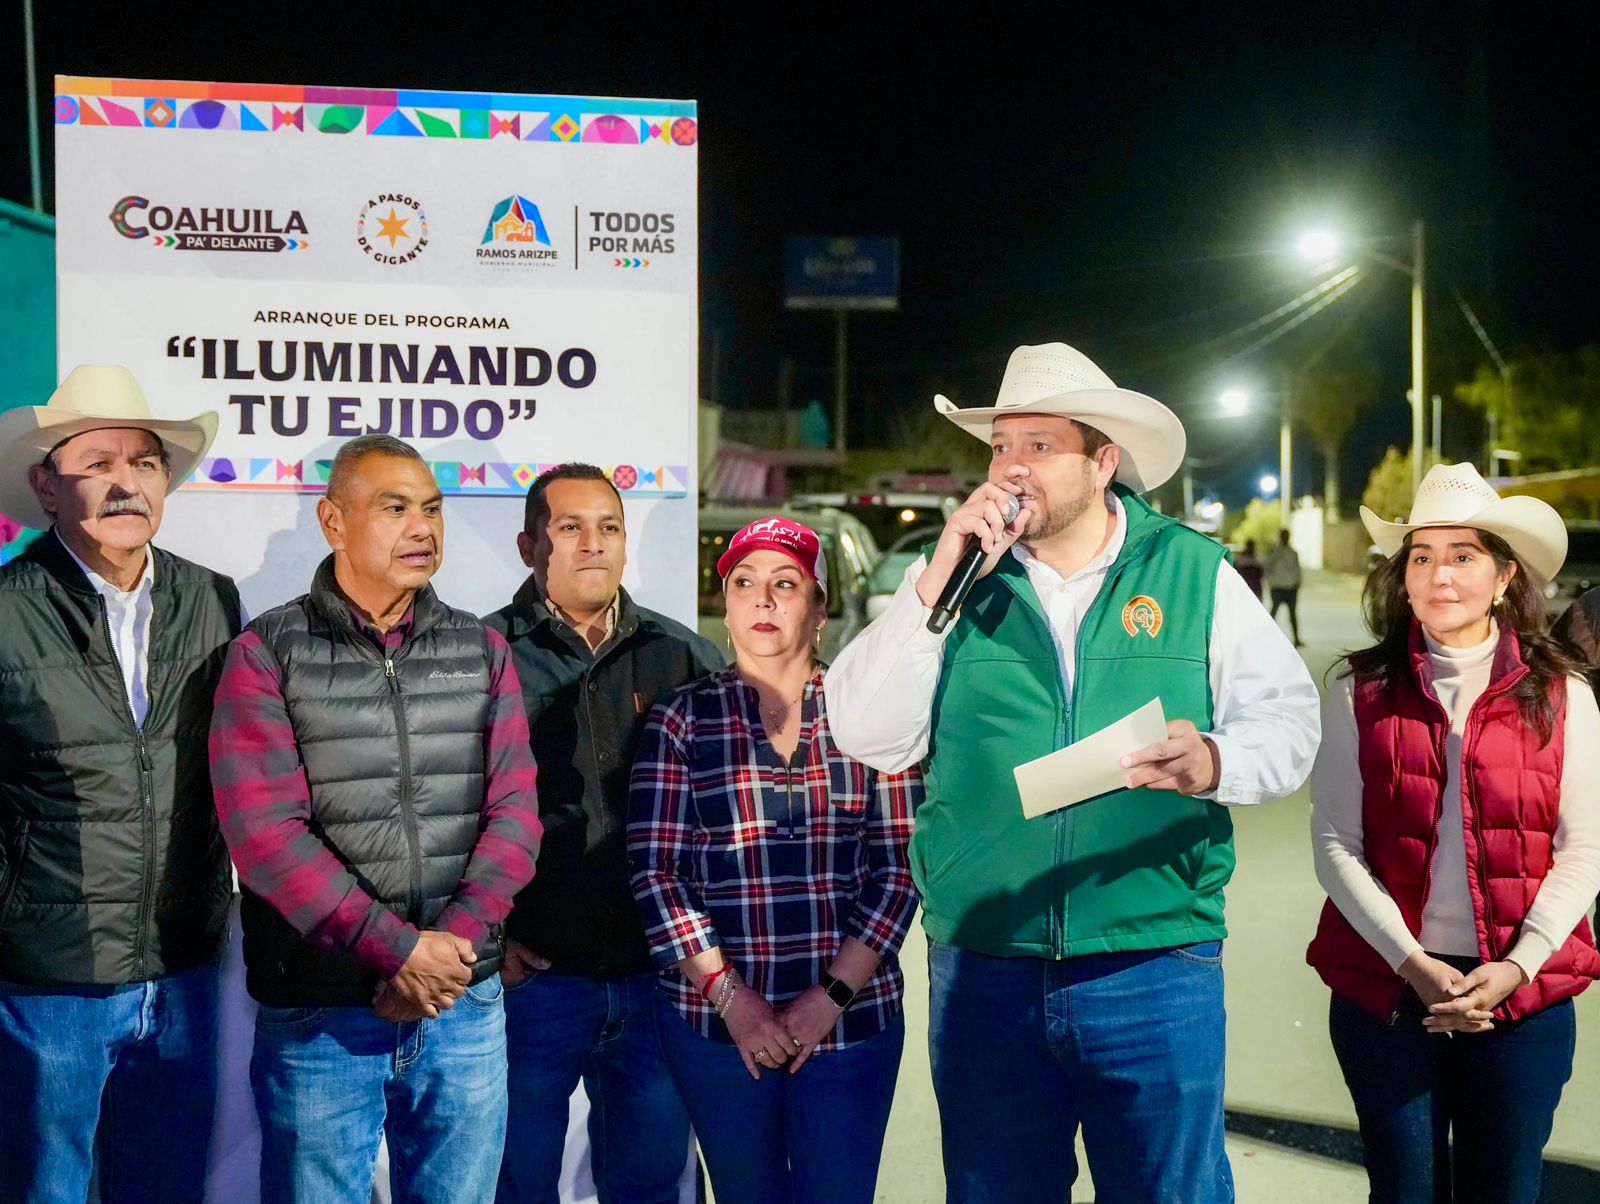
275,108
487,479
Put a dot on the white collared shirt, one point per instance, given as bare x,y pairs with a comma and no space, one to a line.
1067,599
129,617
1265,710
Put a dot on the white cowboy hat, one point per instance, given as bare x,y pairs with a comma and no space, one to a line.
92,398
1053,378
1454,495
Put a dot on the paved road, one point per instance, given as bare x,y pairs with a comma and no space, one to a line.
1279,1061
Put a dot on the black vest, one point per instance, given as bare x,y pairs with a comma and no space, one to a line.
112,869
393,750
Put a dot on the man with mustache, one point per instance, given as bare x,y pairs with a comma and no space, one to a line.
581,993
114,882
376,788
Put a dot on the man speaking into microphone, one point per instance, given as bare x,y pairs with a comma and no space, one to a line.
1075,958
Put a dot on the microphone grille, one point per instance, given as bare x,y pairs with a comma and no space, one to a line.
1013,508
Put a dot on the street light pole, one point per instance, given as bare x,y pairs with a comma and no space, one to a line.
1320,245
1285,458
35,177
1419,394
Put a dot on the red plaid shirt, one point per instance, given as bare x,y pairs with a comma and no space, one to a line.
775,863
264,801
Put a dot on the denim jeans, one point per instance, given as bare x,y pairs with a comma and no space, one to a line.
136,1063
1128,1045
561,1029
330,1082
1497,1091
787,1139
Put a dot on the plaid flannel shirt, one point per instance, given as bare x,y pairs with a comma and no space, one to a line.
775,863
264,802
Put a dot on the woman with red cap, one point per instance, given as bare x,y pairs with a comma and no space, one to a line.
772,874
1455,815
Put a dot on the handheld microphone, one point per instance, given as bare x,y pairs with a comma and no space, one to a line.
966,572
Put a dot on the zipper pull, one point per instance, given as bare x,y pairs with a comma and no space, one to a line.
388,667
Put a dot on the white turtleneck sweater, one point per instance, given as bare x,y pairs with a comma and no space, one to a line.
1460,675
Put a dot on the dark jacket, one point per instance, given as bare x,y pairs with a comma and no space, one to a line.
1577,627
585,713
112,869
393,753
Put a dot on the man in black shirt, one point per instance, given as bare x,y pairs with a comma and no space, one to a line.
580,989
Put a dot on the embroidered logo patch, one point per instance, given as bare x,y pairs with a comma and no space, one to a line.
1143,613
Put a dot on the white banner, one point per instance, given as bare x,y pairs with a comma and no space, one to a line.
505,282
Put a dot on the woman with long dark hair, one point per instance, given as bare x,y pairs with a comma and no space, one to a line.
1456,829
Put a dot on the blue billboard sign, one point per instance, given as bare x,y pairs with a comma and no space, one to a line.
841,273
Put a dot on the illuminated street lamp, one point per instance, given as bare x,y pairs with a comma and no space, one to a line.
1319,246
1237,401
1269,485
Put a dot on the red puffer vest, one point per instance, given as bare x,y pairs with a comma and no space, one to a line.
1511,793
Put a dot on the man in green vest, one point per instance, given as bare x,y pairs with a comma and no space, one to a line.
114,883
1075,958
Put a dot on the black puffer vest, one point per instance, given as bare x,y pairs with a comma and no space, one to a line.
393,749
112,869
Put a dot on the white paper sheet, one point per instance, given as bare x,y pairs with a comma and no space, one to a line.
1091,766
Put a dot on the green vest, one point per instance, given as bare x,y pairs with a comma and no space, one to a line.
1139,869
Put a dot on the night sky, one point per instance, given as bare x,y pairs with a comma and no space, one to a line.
1126,178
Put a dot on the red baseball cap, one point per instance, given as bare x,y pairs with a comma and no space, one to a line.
778,534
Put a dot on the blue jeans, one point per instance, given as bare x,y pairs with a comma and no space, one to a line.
1128,1045
136,1063
330,1082
561,1029
787,1139
1498,1091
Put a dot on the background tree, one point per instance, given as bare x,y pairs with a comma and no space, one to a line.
1326,403
1261,521
1548,412
1388,493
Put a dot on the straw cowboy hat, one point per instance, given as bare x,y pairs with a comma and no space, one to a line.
92,398
1053,378
1455,495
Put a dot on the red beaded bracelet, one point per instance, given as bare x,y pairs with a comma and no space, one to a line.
708,980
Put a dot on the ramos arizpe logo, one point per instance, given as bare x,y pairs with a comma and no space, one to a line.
516,236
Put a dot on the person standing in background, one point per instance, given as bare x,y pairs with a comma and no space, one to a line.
1249,567
580,990
1282,570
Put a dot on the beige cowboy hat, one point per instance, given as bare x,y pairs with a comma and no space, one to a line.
1053,378
1454,495
93,397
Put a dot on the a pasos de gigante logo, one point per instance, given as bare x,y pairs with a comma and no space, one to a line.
516,236
209,228
392,229
632,238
